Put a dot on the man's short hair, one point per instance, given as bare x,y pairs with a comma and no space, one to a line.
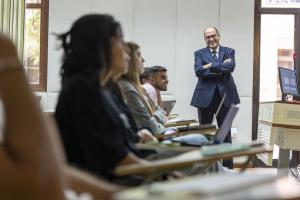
155,69
217,31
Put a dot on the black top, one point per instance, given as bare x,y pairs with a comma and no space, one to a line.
92,127
119,100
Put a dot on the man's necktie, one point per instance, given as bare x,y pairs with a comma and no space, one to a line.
214,55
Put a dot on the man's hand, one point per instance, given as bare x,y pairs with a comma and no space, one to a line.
207,66
227,60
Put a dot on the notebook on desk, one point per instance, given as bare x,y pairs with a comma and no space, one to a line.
218,138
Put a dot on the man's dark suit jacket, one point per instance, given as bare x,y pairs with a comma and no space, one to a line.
217,77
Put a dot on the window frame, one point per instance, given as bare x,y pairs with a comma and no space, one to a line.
43,68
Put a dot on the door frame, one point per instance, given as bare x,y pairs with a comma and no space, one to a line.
256,53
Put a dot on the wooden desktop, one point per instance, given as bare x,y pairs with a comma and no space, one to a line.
186,160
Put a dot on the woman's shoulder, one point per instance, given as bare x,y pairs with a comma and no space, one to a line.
78,82
79,87
126,85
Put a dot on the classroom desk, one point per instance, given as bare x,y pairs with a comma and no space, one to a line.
217,187
185,160
170,150
202,130
162,147
180,123
164,151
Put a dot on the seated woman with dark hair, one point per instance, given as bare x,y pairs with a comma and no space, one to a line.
96,131
32,162
136,134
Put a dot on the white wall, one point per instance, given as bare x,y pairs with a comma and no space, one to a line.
237,30
169,31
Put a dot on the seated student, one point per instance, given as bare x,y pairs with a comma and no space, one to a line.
149,89
137,135
158,81
144,77
93,127
144,110
32,165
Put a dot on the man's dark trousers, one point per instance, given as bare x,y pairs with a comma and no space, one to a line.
206,116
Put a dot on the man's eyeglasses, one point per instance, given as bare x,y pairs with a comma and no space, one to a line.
211,36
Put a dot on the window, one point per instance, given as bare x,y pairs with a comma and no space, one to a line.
35,43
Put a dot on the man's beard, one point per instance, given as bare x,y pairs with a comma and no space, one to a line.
161,88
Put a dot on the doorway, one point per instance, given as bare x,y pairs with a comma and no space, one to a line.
276,44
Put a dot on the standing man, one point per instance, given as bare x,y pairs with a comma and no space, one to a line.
213,67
